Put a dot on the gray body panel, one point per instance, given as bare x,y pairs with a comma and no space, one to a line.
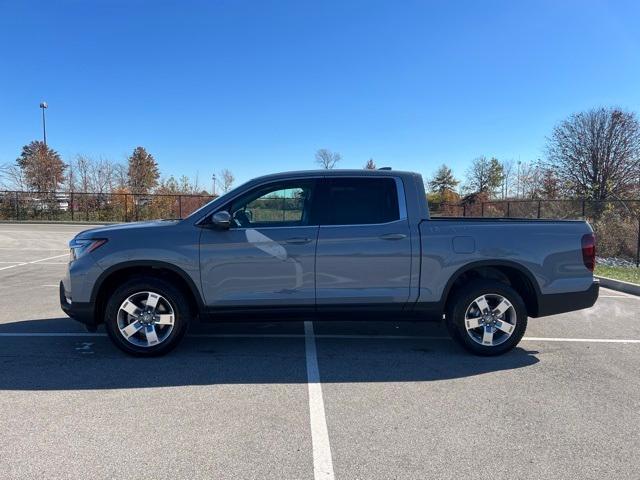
400,264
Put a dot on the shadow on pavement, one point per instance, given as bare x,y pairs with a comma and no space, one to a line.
81,363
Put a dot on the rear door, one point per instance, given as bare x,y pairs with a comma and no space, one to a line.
363,256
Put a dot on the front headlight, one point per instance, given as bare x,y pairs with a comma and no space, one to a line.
78,248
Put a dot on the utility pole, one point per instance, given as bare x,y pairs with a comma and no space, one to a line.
213,185
44,106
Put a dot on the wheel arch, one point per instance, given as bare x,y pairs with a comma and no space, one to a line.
115,274
511,273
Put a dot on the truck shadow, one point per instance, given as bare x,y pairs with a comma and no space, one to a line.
258,353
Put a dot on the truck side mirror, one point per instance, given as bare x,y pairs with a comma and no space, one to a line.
221,220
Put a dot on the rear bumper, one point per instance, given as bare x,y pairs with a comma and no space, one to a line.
567,302
82,312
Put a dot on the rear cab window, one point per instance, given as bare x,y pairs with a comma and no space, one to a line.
358,201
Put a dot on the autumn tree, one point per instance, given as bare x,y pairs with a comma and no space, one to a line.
41,167
327,159
484,176
596,154
143,171
370,165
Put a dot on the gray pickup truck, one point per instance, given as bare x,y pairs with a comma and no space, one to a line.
328,244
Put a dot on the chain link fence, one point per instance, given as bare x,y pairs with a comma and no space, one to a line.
96,207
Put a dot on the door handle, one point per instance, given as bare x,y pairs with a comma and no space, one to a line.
393,236
298,240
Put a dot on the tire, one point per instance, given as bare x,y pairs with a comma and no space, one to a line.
505,328
168,320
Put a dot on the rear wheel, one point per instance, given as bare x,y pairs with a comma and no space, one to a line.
146,316
487,317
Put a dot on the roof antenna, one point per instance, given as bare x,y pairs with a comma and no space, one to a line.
384,168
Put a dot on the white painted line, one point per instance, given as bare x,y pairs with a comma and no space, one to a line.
580,340
50,285
33,249
51,334
327,336
71,230
322,464
34,261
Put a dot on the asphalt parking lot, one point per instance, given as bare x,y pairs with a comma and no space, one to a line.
291,400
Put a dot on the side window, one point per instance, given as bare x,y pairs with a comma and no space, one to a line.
283,204
354,201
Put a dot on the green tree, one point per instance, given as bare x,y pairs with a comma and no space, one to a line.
443,181
484,176
370,165
143,171
41,167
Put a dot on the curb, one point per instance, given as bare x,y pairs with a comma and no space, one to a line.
619,285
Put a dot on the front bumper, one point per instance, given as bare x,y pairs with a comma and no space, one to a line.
82,312
567,302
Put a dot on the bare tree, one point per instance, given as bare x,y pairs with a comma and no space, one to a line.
370,165
83,169
596,154
101,175
227,180
327,159
12,177
507,171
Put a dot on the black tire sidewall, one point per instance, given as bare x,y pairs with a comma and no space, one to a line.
173,295
462,299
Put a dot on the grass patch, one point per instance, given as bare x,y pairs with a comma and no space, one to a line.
626,274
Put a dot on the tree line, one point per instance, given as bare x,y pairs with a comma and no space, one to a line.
39,168
593,155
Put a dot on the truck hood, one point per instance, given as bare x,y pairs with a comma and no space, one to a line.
108,229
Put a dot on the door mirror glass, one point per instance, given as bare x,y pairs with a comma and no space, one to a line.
221,220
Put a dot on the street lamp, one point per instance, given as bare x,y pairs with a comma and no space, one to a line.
44,106
213,184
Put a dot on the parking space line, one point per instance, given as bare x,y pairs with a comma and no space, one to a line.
580,340
34,261
322,336
322,463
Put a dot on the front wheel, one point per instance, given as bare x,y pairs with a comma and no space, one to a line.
146,316
487,317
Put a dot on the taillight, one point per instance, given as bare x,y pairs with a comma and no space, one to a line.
589,251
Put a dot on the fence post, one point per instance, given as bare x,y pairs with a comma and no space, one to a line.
482,209
179,206
17,207
508,209
539,207
71,204
464,210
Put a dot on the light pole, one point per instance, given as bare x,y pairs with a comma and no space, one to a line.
44,106
213,184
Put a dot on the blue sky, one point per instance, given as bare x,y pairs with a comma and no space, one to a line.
259,86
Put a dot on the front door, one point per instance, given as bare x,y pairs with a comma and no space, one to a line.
266,258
